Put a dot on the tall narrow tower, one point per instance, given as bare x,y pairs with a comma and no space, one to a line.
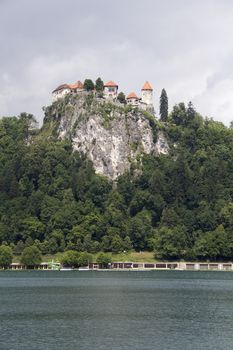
147,94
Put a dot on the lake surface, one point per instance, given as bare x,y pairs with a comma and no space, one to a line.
51,310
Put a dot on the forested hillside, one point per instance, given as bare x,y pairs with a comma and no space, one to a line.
180,205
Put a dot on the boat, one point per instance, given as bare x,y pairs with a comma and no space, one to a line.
54,265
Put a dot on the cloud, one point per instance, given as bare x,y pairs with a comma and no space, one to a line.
183,46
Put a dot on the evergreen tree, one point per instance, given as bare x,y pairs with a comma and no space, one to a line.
99,85
163,106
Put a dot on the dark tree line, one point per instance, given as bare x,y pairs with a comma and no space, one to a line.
181,206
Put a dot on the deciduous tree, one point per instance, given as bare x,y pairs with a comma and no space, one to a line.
121,97
88,85
31,256
6,256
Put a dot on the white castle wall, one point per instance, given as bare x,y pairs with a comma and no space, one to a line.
110,92
147,97
59,94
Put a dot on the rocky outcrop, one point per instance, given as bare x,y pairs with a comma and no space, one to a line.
112,136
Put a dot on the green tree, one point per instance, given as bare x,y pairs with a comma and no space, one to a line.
140,230
191,111
117,244
163,111
170,243
127,243
4,232
88,85
19,247
32,227
28,124
56,242
121,97
84,259
178,114
104,259
70,259
213,245
6,256
31,256
99,85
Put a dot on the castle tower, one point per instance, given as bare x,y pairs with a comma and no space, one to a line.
110,90
133,99
147,94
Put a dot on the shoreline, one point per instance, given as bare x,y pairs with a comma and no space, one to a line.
127,266
110,270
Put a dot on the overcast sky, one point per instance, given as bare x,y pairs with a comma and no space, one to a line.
184,46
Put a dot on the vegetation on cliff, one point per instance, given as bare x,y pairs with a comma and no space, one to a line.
180,206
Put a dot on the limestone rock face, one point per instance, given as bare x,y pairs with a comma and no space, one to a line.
112,136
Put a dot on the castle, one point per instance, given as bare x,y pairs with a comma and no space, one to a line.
110,92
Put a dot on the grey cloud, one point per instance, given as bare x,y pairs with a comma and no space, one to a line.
184,46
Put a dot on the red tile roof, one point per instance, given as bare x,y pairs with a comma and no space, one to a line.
111,84
147,86
77,85
62,87
131,95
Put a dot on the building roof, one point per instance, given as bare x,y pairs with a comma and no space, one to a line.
111,84
77,85
147,86
62,87
131,95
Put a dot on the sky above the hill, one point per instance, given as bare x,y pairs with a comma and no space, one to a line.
184,46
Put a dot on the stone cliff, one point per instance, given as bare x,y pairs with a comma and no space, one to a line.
111,135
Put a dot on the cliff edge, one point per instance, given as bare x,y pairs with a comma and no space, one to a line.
113,136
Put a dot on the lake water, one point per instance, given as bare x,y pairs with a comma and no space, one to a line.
43,310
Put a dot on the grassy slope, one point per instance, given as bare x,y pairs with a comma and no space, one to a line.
129,257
